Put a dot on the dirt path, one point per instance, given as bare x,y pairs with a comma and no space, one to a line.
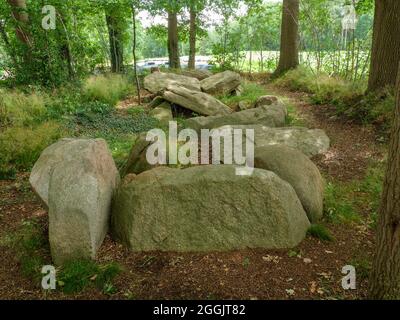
311,271
353,146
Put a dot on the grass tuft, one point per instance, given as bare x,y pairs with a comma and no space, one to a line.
320,232
108,89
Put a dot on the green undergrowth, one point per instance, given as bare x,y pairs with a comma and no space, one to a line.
32,251
355,201
251,92
347,97
319,231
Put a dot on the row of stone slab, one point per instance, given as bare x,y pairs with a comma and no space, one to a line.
199,208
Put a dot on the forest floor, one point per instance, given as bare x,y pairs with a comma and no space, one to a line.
311,271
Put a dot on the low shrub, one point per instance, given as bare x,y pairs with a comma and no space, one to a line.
20,109
77,275
320,232
347,97
20,147
251,92
108,89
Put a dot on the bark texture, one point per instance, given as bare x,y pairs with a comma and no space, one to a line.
116,43
289,52
173,42
21,17
385,56
385,277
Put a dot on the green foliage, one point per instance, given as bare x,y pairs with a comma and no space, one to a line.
320,232
108,89
348,97
251,92
17,108
338,206
75,276
347,202
20,147
30,244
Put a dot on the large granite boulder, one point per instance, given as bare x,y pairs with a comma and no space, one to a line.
207,208
198,102
221,83
270,116
159,81
77,178
294,167
309,141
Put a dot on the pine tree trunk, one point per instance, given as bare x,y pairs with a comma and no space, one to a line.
20,14
116,44
385,277
192,40
385,55
289,53
173,42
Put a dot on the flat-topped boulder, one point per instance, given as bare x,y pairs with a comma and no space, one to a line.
77,178
271,116
199,102
159,81
221,83
295,168
199,74
207,208
309,141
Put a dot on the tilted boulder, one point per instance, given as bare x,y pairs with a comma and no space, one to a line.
159,81
162,113
303,175
221,83
198,102
207,208
309,141
78,180
137,162
271,116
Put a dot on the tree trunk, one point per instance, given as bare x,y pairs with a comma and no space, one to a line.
116,43
20,14
134,53
192,40
9,49
289,53
65,48
173,42
385,55
385,277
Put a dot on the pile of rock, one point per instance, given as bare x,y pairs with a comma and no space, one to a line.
200,208
194,90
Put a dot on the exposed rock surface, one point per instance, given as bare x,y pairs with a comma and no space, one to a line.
271,116
294,167
198,102
221,83
207,208
159,81
77,178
